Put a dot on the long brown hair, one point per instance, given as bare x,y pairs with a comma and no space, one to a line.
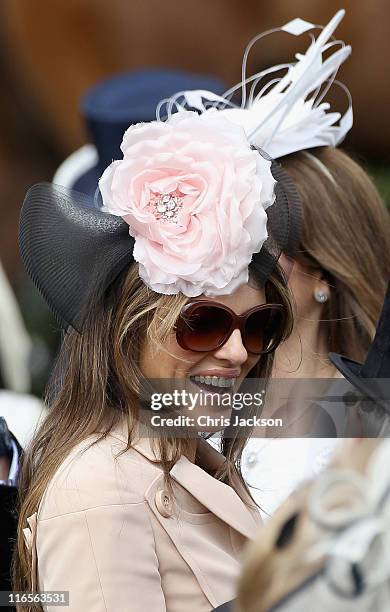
96,383
346,234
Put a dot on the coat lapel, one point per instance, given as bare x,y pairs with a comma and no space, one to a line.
221,499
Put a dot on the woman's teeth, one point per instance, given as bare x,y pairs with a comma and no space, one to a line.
215,381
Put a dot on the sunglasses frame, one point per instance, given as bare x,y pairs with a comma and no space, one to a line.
237,322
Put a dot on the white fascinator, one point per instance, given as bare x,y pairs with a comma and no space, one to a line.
283,108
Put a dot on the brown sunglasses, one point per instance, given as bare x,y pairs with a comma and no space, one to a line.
205,326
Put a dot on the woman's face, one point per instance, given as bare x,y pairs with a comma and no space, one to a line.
231,360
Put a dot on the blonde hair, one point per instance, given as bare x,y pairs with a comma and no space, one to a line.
96,383
346,233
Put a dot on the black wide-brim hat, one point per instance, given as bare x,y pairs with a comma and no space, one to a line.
371,378
377,390
73,250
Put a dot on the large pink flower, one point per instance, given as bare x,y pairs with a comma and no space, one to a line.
194,195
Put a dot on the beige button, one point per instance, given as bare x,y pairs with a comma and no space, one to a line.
164,503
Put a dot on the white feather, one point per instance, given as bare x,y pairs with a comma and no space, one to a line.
286,114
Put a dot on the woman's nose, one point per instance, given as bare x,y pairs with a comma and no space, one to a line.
233,350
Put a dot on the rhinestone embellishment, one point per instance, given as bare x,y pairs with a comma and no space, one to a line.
166,207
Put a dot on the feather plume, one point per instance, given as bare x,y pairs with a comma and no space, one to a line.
288,113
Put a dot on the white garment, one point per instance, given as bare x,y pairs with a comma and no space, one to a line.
273,468
15,343
22,413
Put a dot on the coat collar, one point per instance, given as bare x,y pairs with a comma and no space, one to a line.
222,500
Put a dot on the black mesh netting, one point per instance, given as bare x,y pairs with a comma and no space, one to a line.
284,222
70,248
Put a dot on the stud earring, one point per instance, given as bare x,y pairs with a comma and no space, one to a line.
321,297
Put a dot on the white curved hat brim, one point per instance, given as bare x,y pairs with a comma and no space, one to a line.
76,165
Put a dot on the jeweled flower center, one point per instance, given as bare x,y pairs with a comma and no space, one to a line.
166,206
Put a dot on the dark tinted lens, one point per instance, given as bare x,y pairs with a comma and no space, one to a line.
203,328
263,330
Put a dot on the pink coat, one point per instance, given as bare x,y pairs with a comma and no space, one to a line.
110,533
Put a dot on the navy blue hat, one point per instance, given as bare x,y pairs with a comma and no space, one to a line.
114,104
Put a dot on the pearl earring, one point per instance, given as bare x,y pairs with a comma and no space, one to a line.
321,297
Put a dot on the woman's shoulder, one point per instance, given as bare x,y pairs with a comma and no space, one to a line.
98,473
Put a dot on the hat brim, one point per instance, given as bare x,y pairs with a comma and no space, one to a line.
72,250
368,387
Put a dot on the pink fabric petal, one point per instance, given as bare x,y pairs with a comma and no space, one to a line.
217,189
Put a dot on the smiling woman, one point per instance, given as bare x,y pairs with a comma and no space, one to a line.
119,280
129,337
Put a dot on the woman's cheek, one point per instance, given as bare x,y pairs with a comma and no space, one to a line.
168,361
